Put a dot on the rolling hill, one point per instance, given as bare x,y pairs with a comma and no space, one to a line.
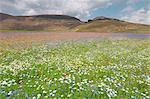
104,24
64,23
38,22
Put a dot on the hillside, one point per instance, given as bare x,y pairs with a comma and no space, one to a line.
38,22
67,23
104,24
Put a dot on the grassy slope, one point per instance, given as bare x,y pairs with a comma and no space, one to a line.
37,23
95,26
113,26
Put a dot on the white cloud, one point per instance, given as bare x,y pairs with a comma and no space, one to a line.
29,12
132,14
78,8
128,9
138,16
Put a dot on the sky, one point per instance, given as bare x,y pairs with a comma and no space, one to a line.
137,11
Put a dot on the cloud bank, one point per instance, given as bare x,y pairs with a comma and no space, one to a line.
141,15
82,9
138,16
78,8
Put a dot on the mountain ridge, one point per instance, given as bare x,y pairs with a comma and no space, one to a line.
52,22
44,16
38,22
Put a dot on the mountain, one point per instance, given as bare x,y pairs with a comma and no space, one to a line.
104,24
38,22
4,16
67,23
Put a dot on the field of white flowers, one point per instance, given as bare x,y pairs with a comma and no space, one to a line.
89,69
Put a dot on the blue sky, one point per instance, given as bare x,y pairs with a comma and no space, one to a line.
137,11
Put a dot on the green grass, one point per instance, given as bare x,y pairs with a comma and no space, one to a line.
94,69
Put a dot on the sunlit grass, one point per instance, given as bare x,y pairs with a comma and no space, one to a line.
77,69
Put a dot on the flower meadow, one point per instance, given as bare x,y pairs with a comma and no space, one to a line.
85,69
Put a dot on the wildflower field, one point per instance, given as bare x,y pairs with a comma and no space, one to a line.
79,69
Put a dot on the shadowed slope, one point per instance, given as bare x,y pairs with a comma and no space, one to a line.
38,22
